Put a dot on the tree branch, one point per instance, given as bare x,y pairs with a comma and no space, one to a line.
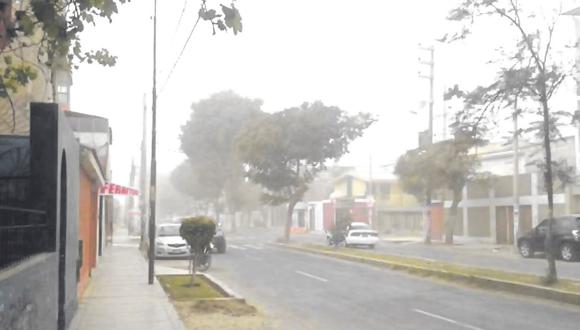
516,21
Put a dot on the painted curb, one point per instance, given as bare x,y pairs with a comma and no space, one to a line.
530,290
213,282
219,285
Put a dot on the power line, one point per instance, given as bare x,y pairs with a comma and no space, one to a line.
180,55
180,18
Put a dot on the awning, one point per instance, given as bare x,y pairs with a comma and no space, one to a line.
115,189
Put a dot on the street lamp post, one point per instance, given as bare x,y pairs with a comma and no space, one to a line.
153,182
430,77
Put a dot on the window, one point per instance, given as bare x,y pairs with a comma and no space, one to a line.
168,231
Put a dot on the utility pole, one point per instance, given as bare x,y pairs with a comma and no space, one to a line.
371,194
516,211
143,177
430,77
153,182
130,201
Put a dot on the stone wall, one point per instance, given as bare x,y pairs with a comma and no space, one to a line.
28,294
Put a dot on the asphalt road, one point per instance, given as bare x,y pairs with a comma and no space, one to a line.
303,291
506,258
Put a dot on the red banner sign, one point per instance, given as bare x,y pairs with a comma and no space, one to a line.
115,189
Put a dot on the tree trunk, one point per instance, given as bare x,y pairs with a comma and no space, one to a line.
193,267
551,276
428,216
450,223
291,206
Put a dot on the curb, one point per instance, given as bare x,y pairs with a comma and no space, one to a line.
223,288
229,294
530,290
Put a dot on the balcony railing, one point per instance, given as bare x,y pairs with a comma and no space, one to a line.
23,233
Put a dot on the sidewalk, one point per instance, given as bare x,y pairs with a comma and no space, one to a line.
118,296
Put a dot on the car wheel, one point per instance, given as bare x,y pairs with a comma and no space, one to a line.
526,249
567,252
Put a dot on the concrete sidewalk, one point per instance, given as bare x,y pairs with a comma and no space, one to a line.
118,296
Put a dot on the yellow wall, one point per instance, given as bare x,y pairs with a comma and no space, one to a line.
359,188
396,197
340,189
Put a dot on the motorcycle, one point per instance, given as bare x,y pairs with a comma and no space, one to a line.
335,238
203,260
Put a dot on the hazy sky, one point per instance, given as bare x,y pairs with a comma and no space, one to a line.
359,55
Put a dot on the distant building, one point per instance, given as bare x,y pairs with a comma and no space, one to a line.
486,211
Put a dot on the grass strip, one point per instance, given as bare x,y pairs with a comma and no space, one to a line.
179,287
445,267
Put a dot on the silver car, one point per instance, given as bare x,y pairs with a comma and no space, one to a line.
168,242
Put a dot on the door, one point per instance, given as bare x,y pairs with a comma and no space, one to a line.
539,235
504,224
437,221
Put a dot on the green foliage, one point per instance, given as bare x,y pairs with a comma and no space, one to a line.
208,139
52,29
15,76
284,151
231,18
197,232
538,73
443,165
193,183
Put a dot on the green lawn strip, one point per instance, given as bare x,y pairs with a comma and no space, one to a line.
178,287
564,285
228,307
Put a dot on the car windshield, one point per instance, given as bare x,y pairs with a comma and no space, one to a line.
356,226
168,231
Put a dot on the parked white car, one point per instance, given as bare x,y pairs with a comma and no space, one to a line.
168,243
360,233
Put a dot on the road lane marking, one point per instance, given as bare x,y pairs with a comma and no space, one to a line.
312,276
442,318
235,247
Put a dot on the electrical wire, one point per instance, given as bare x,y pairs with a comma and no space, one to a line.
180,18
180,55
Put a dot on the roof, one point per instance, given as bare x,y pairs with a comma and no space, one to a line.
81,122
380,173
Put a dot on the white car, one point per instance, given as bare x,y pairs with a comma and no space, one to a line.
168,242
360,233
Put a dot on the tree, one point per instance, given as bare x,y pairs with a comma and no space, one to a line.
50,30
534,53
284,151
445,165
192,183
198,233
208,140
53,29
243,196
